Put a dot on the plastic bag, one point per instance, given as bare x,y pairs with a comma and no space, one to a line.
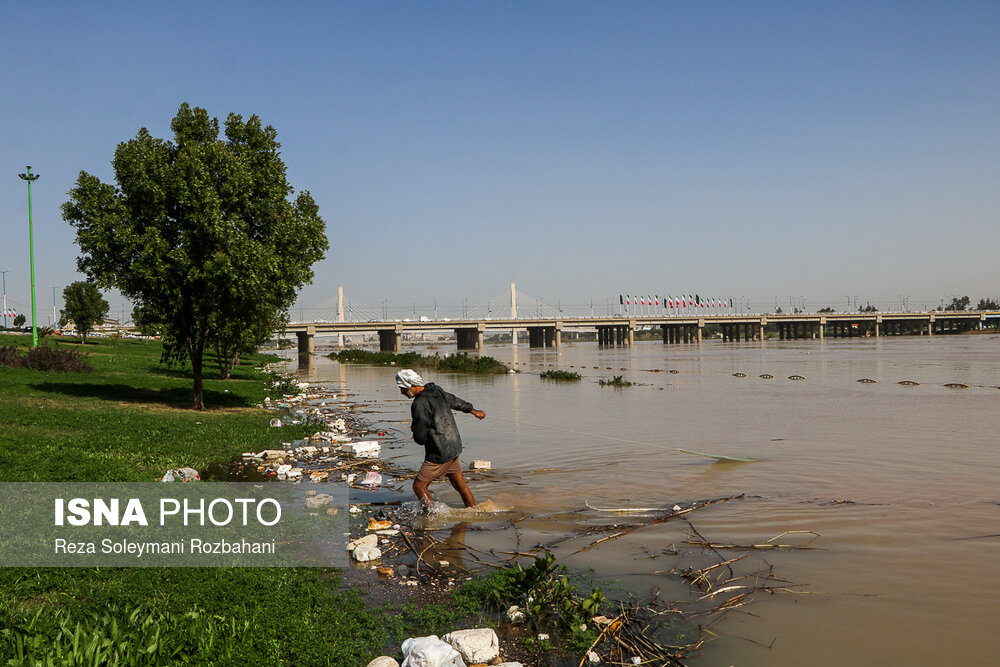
430,652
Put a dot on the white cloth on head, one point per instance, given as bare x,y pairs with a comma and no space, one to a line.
408,378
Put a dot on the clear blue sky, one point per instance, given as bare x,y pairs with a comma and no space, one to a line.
582,149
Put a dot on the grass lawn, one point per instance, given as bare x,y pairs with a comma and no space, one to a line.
129,420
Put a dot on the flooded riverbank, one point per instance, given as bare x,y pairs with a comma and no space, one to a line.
899,480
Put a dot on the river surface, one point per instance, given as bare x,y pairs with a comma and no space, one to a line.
901,481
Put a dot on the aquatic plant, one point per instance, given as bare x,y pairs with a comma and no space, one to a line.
559,375
616,381
455,363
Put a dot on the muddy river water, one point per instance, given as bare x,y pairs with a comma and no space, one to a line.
901,481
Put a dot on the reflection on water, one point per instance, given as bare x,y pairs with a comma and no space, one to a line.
894,477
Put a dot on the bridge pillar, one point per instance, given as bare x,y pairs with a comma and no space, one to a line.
541,336
390,341
631,334
307,344
469,338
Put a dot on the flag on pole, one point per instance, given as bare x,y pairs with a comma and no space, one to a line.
628,299
656,299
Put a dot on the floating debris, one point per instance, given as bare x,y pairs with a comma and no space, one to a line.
766,376
796,377
957,385
719,457
739,375
909,383
673,371
868,381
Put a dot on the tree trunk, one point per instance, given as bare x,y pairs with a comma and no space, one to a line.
197,350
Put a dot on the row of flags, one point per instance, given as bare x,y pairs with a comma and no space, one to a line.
10,312
670,301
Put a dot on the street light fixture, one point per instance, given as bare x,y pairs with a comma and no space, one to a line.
28,176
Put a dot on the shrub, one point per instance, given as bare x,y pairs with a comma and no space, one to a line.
10,357
51,359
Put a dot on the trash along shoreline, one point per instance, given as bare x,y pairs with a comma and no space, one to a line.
537,616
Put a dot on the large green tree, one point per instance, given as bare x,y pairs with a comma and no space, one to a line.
200,232
84,305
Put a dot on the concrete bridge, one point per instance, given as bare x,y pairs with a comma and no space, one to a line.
548,332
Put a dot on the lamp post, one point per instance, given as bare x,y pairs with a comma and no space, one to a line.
28,176
4,274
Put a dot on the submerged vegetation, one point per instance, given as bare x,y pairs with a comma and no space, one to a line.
455,363
616,381
560,375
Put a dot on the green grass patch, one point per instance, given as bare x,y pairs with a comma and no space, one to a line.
129,420
566,376
616,381
455,363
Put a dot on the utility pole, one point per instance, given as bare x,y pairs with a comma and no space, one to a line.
53,305
4,274
28,176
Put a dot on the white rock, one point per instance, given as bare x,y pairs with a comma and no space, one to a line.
542,637
593,657
475,645
355,509
480,465
370,540
364,553
383,661
515,615
635,660
294,473
388,532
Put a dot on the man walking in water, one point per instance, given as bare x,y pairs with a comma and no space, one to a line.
434,427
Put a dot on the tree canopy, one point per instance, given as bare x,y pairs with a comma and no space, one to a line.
958,303
84,305
200,232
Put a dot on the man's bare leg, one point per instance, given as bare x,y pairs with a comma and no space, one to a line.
458,481
423,495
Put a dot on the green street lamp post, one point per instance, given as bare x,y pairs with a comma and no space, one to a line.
28,176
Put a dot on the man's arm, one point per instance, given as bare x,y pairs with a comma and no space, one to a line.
456,403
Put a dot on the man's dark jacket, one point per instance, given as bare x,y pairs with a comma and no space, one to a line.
433,424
